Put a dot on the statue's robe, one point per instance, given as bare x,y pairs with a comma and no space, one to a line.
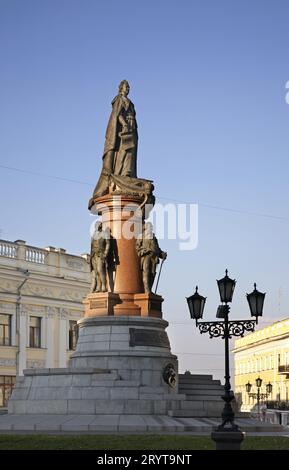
120,150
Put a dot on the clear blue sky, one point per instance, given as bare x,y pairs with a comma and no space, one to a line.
208,82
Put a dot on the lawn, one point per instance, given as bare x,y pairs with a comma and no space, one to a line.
130,442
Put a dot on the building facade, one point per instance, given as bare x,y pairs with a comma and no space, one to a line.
263,354
41,293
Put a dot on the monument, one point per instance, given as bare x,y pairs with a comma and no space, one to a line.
123,363
122,376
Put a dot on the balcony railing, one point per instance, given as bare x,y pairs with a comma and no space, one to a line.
21,255
9,250
34,255
277,405
284,369
29,253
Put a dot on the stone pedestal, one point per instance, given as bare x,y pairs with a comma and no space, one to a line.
108,303
135,348
118,368
228,439
100,304
150,304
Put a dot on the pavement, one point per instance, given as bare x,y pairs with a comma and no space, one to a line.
128,424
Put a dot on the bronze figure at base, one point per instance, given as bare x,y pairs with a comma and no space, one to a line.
148,250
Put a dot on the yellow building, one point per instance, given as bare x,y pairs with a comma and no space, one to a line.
264,354
41,293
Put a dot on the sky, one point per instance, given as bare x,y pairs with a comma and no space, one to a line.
208,80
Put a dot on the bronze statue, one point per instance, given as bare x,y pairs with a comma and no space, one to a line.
121,139
120,148
99,256
149,252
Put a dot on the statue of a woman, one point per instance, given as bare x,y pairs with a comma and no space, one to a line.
120,148
121,139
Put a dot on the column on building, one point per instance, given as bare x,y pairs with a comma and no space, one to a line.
62,345
22,358
50,315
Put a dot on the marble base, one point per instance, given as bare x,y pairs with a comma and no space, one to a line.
99,304
128,424
228,439
117,368
89,391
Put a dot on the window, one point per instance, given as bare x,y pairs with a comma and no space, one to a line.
5,330
35,332
73,334
7,383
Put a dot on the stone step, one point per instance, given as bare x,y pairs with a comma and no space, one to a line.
68,371
192,408
200,387
199,381
187,413
109,406
84,424
192,405
203,391
204,397
196,376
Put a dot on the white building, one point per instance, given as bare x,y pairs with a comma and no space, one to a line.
41,293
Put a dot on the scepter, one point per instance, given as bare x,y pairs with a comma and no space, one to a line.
159,274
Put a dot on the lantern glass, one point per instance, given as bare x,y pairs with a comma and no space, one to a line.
269,388
256,302
196,304
259,382
226,288
248,387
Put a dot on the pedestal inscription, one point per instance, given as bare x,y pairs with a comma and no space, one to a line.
140,337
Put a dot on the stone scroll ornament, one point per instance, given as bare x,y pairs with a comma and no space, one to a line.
170,375
119,168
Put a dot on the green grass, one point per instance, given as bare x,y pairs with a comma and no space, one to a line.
130,442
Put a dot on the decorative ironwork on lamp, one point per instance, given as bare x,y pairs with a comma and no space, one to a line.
226,329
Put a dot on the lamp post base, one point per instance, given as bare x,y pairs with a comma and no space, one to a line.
228,439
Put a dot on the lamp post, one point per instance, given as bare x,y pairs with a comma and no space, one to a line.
227,434
258,395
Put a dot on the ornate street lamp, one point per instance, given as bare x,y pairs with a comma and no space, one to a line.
226,329
248,387
226,288
258,395
259,382
256,302
196,303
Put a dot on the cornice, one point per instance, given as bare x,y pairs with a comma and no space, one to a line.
260,342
